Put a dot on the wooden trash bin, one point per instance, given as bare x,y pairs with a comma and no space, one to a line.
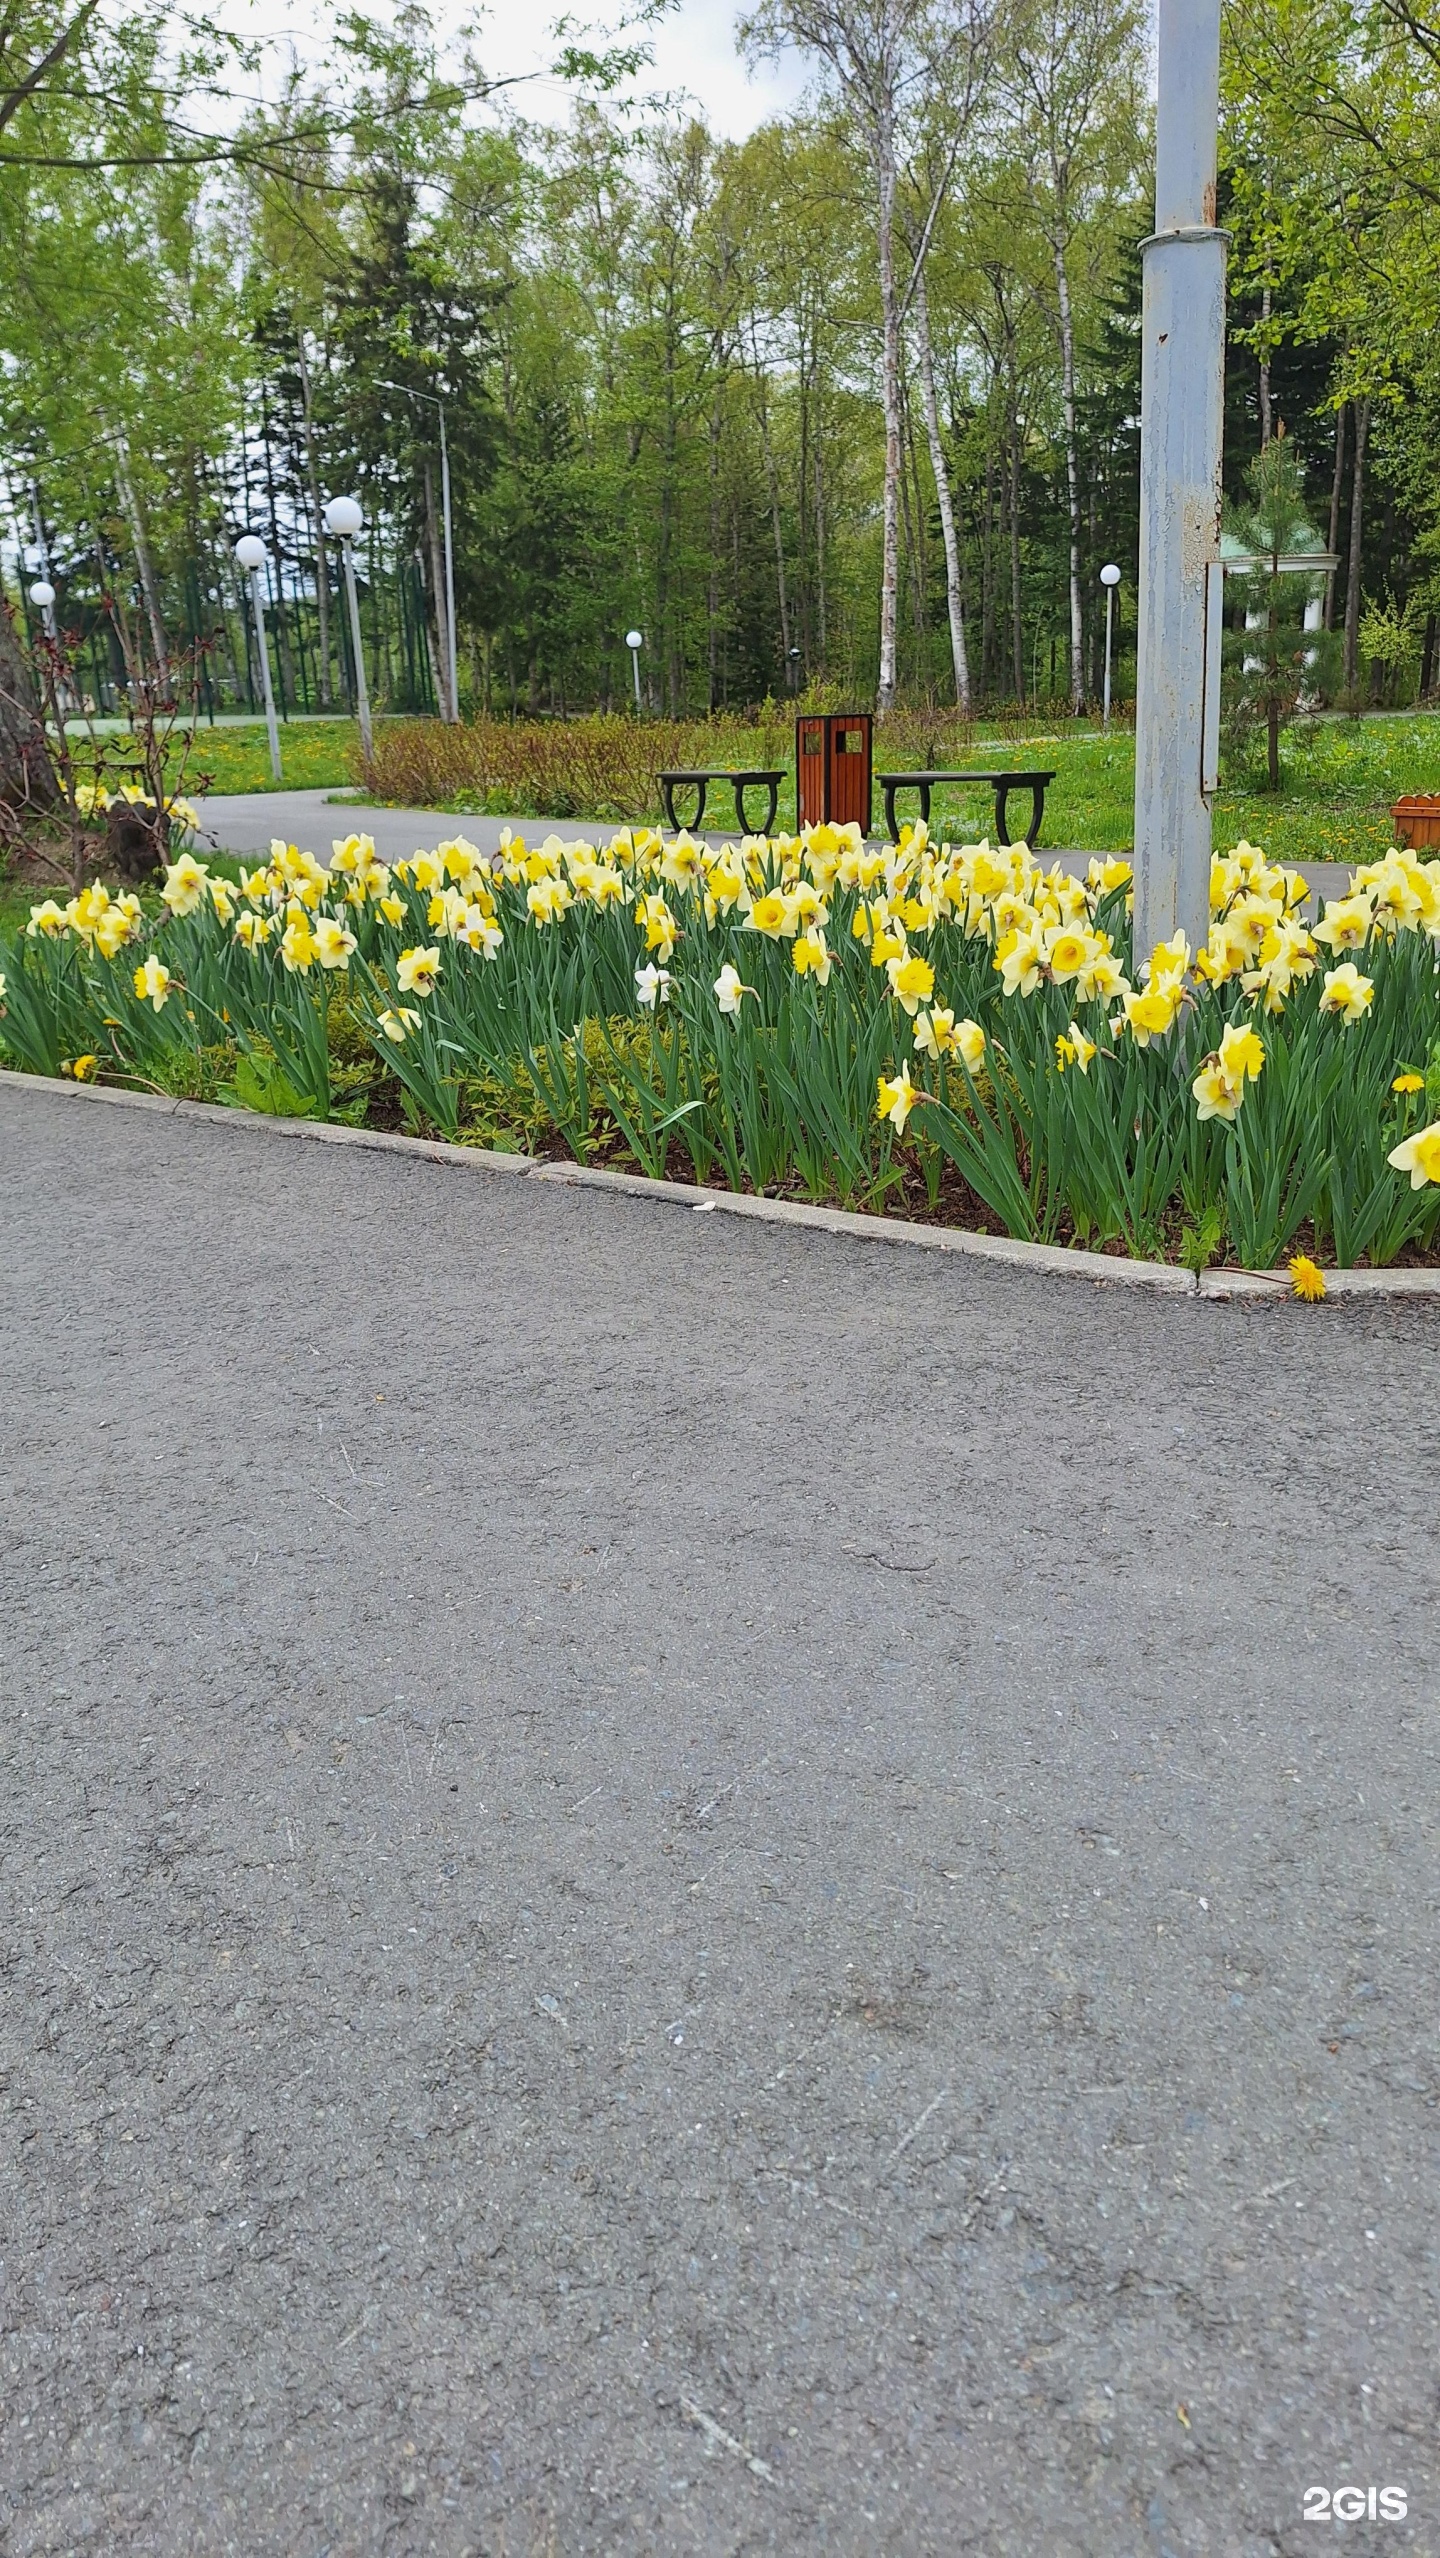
833,763
1416,820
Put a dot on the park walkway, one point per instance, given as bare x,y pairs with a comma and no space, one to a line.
681,1885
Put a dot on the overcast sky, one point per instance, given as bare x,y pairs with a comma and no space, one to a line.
694,51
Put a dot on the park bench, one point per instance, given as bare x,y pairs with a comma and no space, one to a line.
1001,783
740,783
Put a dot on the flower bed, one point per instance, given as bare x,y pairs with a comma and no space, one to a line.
953,1031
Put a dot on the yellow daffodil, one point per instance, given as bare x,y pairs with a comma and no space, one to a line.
48,921
810,958
912,981
935,1032
970,1041
660,927
1219,1087
897,1098
252,931
1072,1048
1020,956
1169,961
417,971
681,861
392,908
222,898
1419,1155
1346,924
398,1025
1149,1015
1068,952
1347,992
1242,1053
1215,1096
113,931
184,884
152,982
770,915
297,942
477,931
333,945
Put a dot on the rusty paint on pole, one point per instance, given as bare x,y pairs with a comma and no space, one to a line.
1181,427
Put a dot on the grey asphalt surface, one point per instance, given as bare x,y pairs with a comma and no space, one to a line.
676,1886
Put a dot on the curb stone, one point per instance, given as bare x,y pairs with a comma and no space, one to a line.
1058,1260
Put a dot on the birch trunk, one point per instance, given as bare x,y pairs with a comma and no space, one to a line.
1072,470
440,649
322,567
27,775
148,588
1352,576
1336,486
890,320
954,605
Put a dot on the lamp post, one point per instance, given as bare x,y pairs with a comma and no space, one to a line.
1181,591
250,556
793,667
344,517
42,596
635,641
1109,579
451,660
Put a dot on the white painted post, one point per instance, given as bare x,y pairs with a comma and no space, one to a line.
344,518
1109,579
250,553
1181,426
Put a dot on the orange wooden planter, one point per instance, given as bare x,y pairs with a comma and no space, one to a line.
1417,821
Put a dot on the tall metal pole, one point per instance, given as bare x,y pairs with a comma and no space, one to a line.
449,566
271,724
357,642
1182,378
1109,625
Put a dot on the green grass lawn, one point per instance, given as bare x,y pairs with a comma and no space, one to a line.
315,754
1341,779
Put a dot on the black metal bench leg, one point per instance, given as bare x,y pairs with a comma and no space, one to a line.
667,802
691,825
1002,804
889,790
774,790
1037,813
925,805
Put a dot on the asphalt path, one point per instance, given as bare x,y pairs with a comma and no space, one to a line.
672,1885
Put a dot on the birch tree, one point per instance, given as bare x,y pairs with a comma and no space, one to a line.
1074,72
899,67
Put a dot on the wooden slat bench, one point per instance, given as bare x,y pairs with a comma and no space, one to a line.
1001,783
740,783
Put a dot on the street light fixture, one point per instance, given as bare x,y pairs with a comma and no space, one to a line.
344,517
42,596
635,641
452,662
1109,579
250,556
794,665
